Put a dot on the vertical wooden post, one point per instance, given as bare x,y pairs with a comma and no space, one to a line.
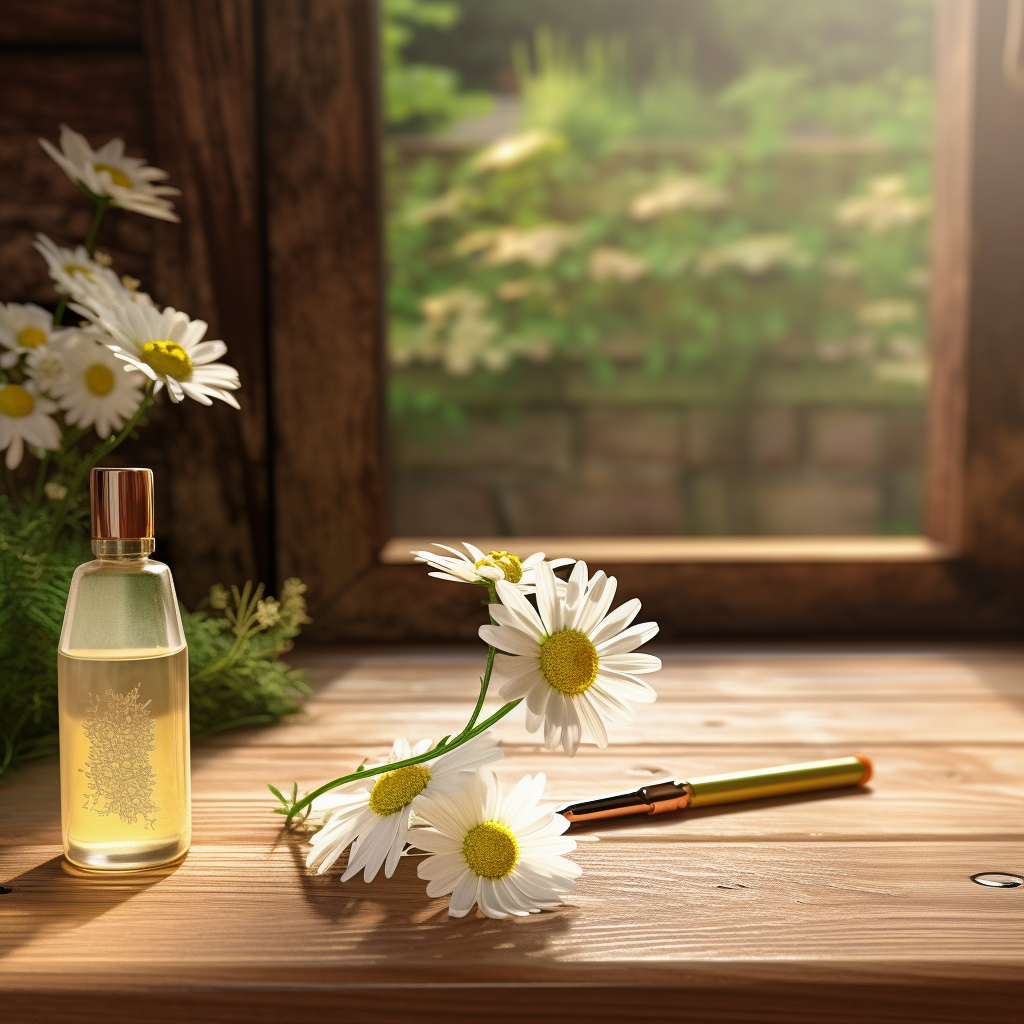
955,49
203,76
994,366
321,150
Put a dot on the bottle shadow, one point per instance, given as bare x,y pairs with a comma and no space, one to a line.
397,915
56,897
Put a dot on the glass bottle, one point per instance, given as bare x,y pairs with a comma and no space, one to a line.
123,692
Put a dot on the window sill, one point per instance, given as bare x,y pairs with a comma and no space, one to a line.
620,550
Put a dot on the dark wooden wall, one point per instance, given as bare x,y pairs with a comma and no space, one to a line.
177,81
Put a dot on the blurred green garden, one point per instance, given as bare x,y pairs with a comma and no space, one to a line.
714,206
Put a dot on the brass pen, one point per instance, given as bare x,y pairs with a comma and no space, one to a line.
707,790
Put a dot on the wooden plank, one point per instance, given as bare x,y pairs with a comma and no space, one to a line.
792,722
323,224
702,599
919,793
955,51
102,95
216,501
656,904
70,23
995,362
858,902
452,674
399,550
783,994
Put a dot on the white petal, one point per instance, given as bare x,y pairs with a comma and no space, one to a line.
521,685
616,622
625,686
631,662
504,638
514,600
548,603
628,640
464,895
591,719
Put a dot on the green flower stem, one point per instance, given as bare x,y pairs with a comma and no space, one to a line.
10,487
442,748
37,491
102,205
484,683
94,456
10,741
58,313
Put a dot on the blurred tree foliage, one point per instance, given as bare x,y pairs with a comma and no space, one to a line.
832,39
715,183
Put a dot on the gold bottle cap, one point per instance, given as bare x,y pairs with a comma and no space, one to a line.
122,511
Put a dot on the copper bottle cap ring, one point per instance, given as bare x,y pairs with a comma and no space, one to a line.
122,509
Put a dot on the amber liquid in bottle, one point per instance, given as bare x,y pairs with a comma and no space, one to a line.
122,685
124,757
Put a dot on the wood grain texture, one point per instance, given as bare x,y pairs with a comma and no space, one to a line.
70,23
955,53
201,57
324,249
102,95
994,472
846,908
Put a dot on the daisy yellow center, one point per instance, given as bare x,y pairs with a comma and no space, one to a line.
16,401
99,379
569,661
490,850
397,789
168,358
117,176
508,564
77,268
31,337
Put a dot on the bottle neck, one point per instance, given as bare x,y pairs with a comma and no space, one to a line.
138,548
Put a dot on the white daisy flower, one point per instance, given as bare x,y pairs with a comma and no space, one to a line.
477,567
573,662
168,348
24,328
95,388
79,276
106,171
25,417
504,854
45,364
373,816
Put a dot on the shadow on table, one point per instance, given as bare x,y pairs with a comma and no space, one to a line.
397,915
56,897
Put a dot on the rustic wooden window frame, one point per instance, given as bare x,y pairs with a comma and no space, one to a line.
266,113
965,575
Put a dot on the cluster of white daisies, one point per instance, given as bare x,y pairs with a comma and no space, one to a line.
575,664
55,379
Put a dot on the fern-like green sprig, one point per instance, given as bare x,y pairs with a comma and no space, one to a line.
235,639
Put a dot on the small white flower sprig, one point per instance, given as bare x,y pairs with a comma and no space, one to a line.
575,664
58,382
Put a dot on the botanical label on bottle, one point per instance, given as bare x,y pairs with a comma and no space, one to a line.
121,736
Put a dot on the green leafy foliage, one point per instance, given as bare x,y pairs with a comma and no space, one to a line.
418,94
792,228
237,676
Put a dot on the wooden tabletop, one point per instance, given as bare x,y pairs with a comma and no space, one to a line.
851,906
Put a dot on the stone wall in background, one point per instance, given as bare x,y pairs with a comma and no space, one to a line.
612,460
